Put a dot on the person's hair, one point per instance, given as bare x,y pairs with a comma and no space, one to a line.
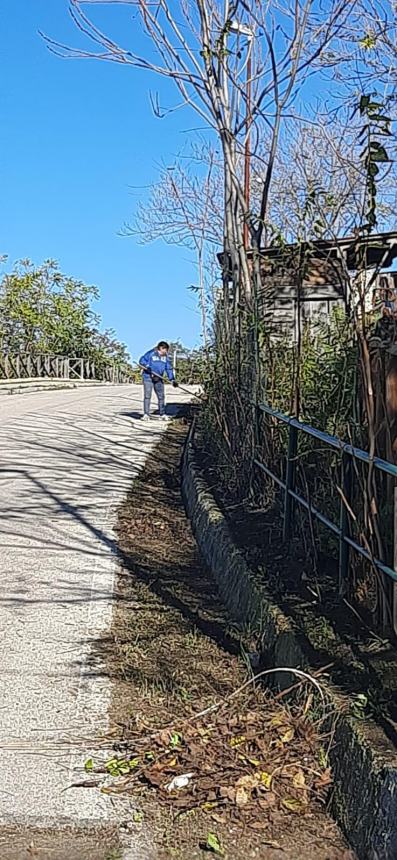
162,344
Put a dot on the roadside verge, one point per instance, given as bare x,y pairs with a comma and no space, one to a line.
364,760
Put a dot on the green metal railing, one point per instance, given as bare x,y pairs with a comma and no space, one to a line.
292,497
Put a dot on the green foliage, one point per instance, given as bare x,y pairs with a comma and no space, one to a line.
190,363
45,311
328,373
328,386
42,310
377,126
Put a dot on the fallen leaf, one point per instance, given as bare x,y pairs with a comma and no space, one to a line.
226,792
213,844
294,805
168,763
207,783
249,781
266,779
242,796
288,736
251,717
183,802
299,779
154,777
89,765
117,767
237,741
324,779
259,825
217,817
267,800
204,733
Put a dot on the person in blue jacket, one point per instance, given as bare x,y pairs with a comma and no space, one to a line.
154,365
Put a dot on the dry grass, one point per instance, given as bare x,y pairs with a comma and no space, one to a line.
259,768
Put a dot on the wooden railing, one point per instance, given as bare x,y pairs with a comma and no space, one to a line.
45,366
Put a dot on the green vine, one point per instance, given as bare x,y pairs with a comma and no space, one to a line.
377,126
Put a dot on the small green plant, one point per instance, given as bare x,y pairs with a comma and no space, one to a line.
121,767
213,845
137,816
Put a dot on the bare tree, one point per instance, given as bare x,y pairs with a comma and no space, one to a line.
319,183
239,65
185,208
185,205
374,29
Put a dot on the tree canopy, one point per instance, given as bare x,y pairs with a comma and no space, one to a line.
44,311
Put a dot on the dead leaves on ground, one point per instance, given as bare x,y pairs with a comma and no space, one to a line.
247,765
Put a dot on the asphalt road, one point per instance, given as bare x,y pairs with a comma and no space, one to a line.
67,459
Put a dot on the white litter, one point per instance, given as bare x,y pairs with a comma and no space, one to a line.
179,781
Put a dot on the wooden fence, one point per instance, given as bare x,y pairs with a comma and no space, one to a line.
27,366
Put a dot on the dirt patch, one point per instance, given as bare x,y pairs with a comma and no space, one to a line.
258,769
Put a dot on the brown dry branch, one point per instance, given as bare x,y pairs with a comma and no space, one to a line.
251,757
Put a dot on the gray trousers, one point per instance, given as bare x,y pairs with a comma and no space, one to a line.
148,385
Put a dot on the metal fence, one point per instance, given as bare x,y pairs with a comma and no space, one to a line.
341,530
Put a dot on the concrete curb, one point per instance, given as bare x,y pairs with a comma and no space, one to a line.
364,761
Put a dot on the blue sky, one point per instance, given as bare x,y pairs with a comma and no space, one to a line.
75,136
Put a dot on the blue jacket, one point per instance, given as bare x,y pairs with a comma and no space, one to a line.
158,364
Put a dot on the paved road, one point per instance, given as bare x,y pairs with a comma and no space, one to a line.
67,459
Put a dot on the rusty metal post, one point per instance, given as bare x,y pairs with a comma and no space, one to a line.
394,586
247,147
289,505
344,523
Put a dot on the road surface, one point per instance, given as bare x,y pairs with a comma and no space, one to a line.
67,460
